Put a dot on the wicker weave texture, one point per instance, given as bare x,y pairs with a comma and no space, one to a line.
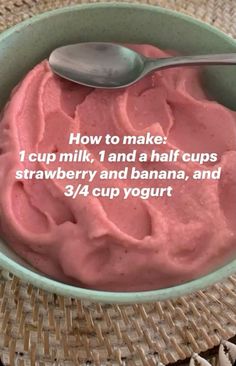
36,325
220,13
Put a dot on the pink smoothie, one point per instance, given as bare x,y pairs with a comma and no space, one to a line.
118,244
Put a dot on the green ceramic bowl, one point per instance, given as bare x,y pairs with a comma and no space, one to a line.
24,45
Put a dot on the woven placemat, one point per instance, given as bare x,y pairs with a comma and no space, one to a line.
39,328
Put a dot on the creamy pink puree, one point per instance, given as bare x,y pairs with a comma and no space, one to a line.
116,244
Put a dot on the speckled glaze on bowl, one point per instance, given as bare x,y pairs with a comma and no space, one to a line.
24,45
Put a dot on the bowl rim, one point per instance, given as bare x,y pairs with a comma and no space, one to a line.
48,284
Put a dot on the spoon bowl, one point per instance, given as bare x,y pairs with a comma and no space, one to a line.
97,64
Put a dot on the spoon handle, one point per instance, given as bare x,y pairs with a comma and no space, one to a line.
164,63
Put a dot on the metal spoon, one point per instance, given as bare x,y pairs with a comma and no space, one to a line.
110,65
